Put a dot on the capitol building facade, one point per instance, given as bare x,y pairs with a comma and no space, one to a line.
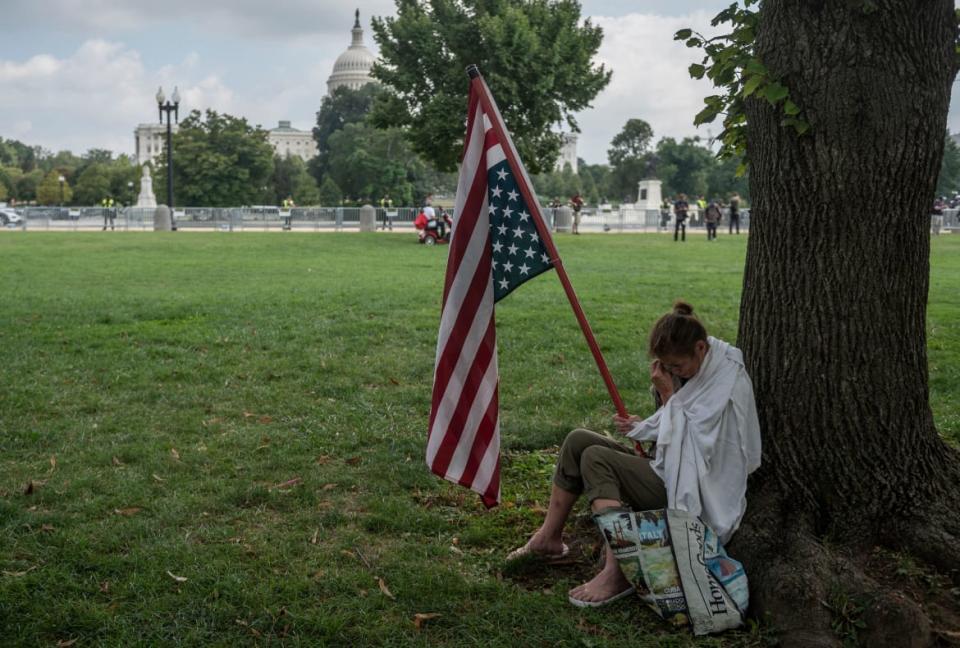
351,70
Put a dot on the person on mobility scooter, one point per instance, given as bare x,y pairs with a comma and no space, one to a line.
430,229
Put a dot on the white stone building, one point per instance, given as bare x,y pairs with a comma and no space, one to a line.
568,152
352,68
290,141
150,141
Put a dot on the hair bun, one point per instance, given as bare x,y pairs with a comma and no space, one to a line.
682,308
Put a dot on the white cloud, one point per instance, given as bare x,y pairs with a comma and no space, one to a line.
650,81
281,20
95,97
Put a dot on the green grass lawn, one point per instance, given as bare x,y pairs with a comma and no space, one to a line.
223,436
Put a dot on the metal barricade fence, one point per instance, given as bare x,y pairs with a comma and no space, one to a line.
267,218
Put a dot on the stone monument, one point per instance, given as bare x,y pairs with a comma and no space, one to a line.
146,197
649,195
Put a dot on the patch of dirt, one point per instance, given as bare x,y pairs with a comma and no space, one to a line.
937,594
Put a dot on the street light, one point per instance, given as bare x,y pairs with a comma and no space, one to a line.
62,180
172,106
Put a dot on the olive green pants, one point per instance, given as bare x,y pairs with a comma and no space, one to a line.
602,468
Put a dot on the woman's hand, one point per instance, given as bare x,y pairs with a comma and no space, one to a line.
625,424
662,380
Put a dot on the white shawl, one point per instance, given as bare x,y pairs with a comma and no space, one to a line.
708,440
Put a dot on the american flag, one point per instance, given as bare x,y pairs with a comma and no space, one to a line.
496,245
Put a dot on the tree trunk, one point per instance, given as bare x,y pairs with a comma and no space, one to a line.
833,314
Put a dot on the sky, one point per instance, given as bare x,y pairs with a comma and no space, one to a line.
81,74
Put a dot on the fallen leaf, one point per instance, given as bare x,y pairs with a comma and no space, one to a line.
241,622
329,486
353,461
19,573
53,462
49,528
63,643
117,462
179,579
158,477
347,553
323,459
289,483
175,454
419,619
128,512
394,381
316,537
255,632
105,586
248,414
265,419
456,550
386,590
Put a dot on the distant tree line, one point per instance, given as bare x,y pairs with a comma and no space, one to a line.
688,166
221,160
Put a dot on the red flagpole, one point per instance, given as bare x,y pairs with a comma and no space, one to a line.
490,108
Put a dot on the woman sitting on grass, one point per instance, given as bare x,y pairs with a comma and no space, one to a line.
707,442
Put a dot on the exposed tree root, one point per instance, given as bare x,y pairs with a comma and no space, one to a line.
819,594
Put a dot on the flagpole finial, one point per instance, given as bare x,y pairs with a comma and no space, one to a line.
473,71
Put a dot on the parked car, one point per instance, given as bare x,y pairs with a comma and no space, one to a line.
10,217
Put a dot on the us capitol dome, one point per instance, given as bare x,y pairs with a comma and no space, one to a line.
352,68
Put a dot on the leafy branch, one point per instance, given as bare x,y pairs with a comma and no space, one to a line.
731,64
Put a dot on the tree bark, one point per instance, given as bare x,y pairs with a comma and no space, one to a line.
833,313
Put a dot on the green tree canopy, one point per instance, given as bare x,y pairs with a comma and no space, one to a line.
218,161
49,191
27,185
17,154
632,142
291,180
93,185
684,166
330,194
536,55
949,180
630,158
344,106
369,163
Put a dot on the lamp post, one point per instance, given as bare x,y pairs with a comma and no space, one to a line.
62,180
172,106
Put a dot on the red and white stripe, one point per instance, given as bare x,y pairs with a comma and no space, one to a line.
464,439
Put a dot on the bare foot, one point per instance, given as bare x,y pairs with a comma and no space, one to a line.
540,544
607,584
